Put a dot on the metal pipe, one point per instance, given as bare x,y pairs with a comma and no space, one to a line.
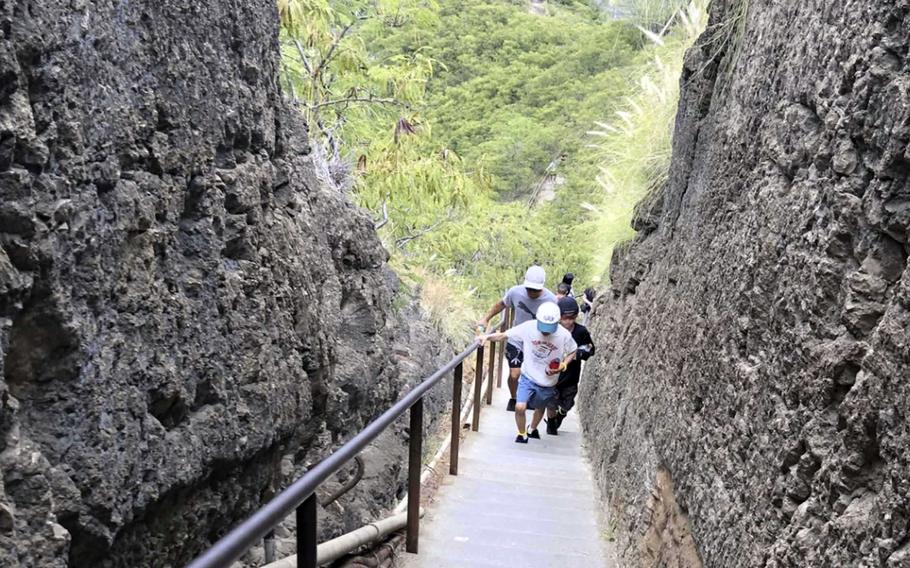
248,533
415,457
332,550
268,546
350,484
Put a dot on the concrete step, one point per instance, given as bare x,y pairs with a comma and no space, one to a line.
521,488
472,469
515,505
539,508
562,524
523,554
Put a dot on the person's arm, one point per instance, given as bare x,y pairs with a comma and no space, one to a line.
586,349
485,320
572,348
497,336
499,306
514,332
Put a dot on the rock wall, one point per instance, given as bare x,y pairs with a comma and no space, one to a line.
757,337
187,317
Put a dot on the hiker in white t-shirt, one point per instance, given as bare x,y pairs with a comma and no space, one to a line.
524,300
547,350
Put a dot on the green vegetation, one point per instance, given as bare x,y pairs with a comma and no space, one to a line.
471,128
653,15
635,148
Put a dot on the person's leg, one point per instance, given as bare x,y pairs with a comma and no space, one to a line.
513,379
520,420
535,420
541,398
567,399
552,421
523,394
515,357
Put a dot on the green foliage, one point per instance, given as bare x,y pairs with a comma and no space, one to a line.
653,15
635,147
455,117
518,90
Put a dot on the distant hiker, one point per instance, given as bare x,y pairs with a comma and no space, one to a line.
587,304
567,385
524,300
563,290
548,350
567,279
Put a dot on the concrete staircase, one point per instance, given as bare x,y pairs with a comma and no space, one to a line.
514,504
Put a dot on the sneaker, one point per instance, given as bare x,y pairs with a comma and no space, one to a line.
511,406
552,427
534,434
560,416
519,439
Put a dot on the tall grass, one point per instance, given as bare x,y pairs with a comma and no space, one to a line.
449,308
635,145
650,14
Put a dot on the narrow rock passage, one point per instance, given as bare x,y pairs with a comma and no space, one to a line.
513,504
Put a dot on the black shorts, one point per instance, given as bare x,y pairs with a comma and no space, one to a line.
514,355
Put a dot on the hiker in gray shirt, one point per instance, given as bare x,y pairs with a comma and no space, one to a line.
524,300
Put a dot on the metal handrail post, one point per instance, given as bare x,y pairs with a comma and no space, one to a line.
306,533
502,348
478,385
491,362
415,455
456,420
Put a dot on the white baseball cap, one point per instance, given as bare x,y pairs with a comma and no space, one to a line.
535,278
548,315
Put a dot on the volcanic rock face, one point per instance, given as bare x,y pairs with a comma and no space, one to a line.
757,338
187,318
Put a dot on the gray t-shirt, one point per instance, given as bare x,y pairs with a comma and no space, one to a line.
525,306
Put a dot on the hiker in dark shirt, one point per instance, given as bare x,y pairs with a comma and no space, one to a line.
567,279
587,304
567,385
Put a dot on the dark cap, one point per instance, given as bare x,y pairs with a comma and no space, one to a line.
568,306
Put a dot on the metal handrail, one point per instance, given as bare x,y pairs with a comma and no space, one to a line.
300,495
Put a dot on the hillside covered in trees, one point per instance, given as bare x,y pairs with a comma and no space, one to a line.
486,136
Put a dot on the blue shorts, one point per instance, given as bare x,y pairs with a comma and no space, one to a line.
535,395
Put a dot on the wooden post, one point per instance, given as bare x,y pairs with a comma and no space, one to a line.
478,385
502,347
415,457
491,362
456,420
306,533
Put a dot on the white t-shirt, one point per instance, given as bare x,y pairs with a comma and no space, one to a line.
540,349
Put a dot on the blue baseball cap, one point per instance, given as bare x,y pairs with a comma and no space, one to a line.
548,317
